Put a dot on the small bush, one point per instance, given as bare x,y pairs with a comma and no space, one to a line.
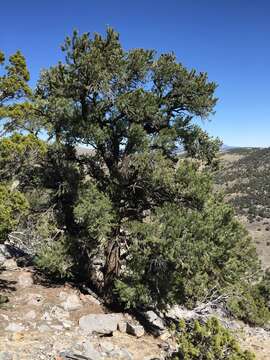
251,305
209,341
13,205
54,258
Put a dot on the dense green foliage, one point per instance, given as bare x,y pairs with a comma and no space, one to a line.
185,255
209,341
94,213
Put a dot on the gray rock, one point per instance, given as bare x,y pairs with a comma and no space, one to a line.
6,355
13,327
154,319
100,323
72,303
122,326
91,352
136,330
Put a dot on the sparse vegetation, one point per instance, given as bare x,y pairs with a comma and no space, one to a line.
207,341
245,182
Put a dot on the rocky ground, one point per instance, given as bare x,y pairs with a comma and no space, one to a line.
41,322
57,322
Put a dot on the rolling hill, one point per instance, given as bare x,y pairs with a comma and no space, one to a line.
244,176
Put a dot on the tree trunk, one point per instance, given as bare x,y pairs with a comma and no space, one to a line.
112,265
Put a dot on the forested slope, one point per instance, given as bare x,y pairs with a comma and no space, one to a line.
244,176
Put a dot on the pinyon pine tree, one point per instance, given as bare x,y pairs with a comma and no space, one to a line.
166,236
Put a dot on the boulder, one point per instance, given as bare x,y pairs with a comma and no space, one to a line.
71,303
100,323
155,321
134,329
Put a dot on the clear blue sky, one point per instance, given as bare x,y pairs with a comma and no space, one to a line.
227,38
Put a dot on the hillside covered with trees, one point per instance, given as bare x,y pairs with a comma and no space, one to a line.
128,219
243,176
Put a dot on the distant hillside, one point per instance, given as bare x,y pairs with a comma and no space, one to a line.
245,178
225,147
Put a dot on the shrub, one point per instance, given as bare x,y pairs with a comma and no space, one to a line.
209,341
251,303
13,205
54,258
